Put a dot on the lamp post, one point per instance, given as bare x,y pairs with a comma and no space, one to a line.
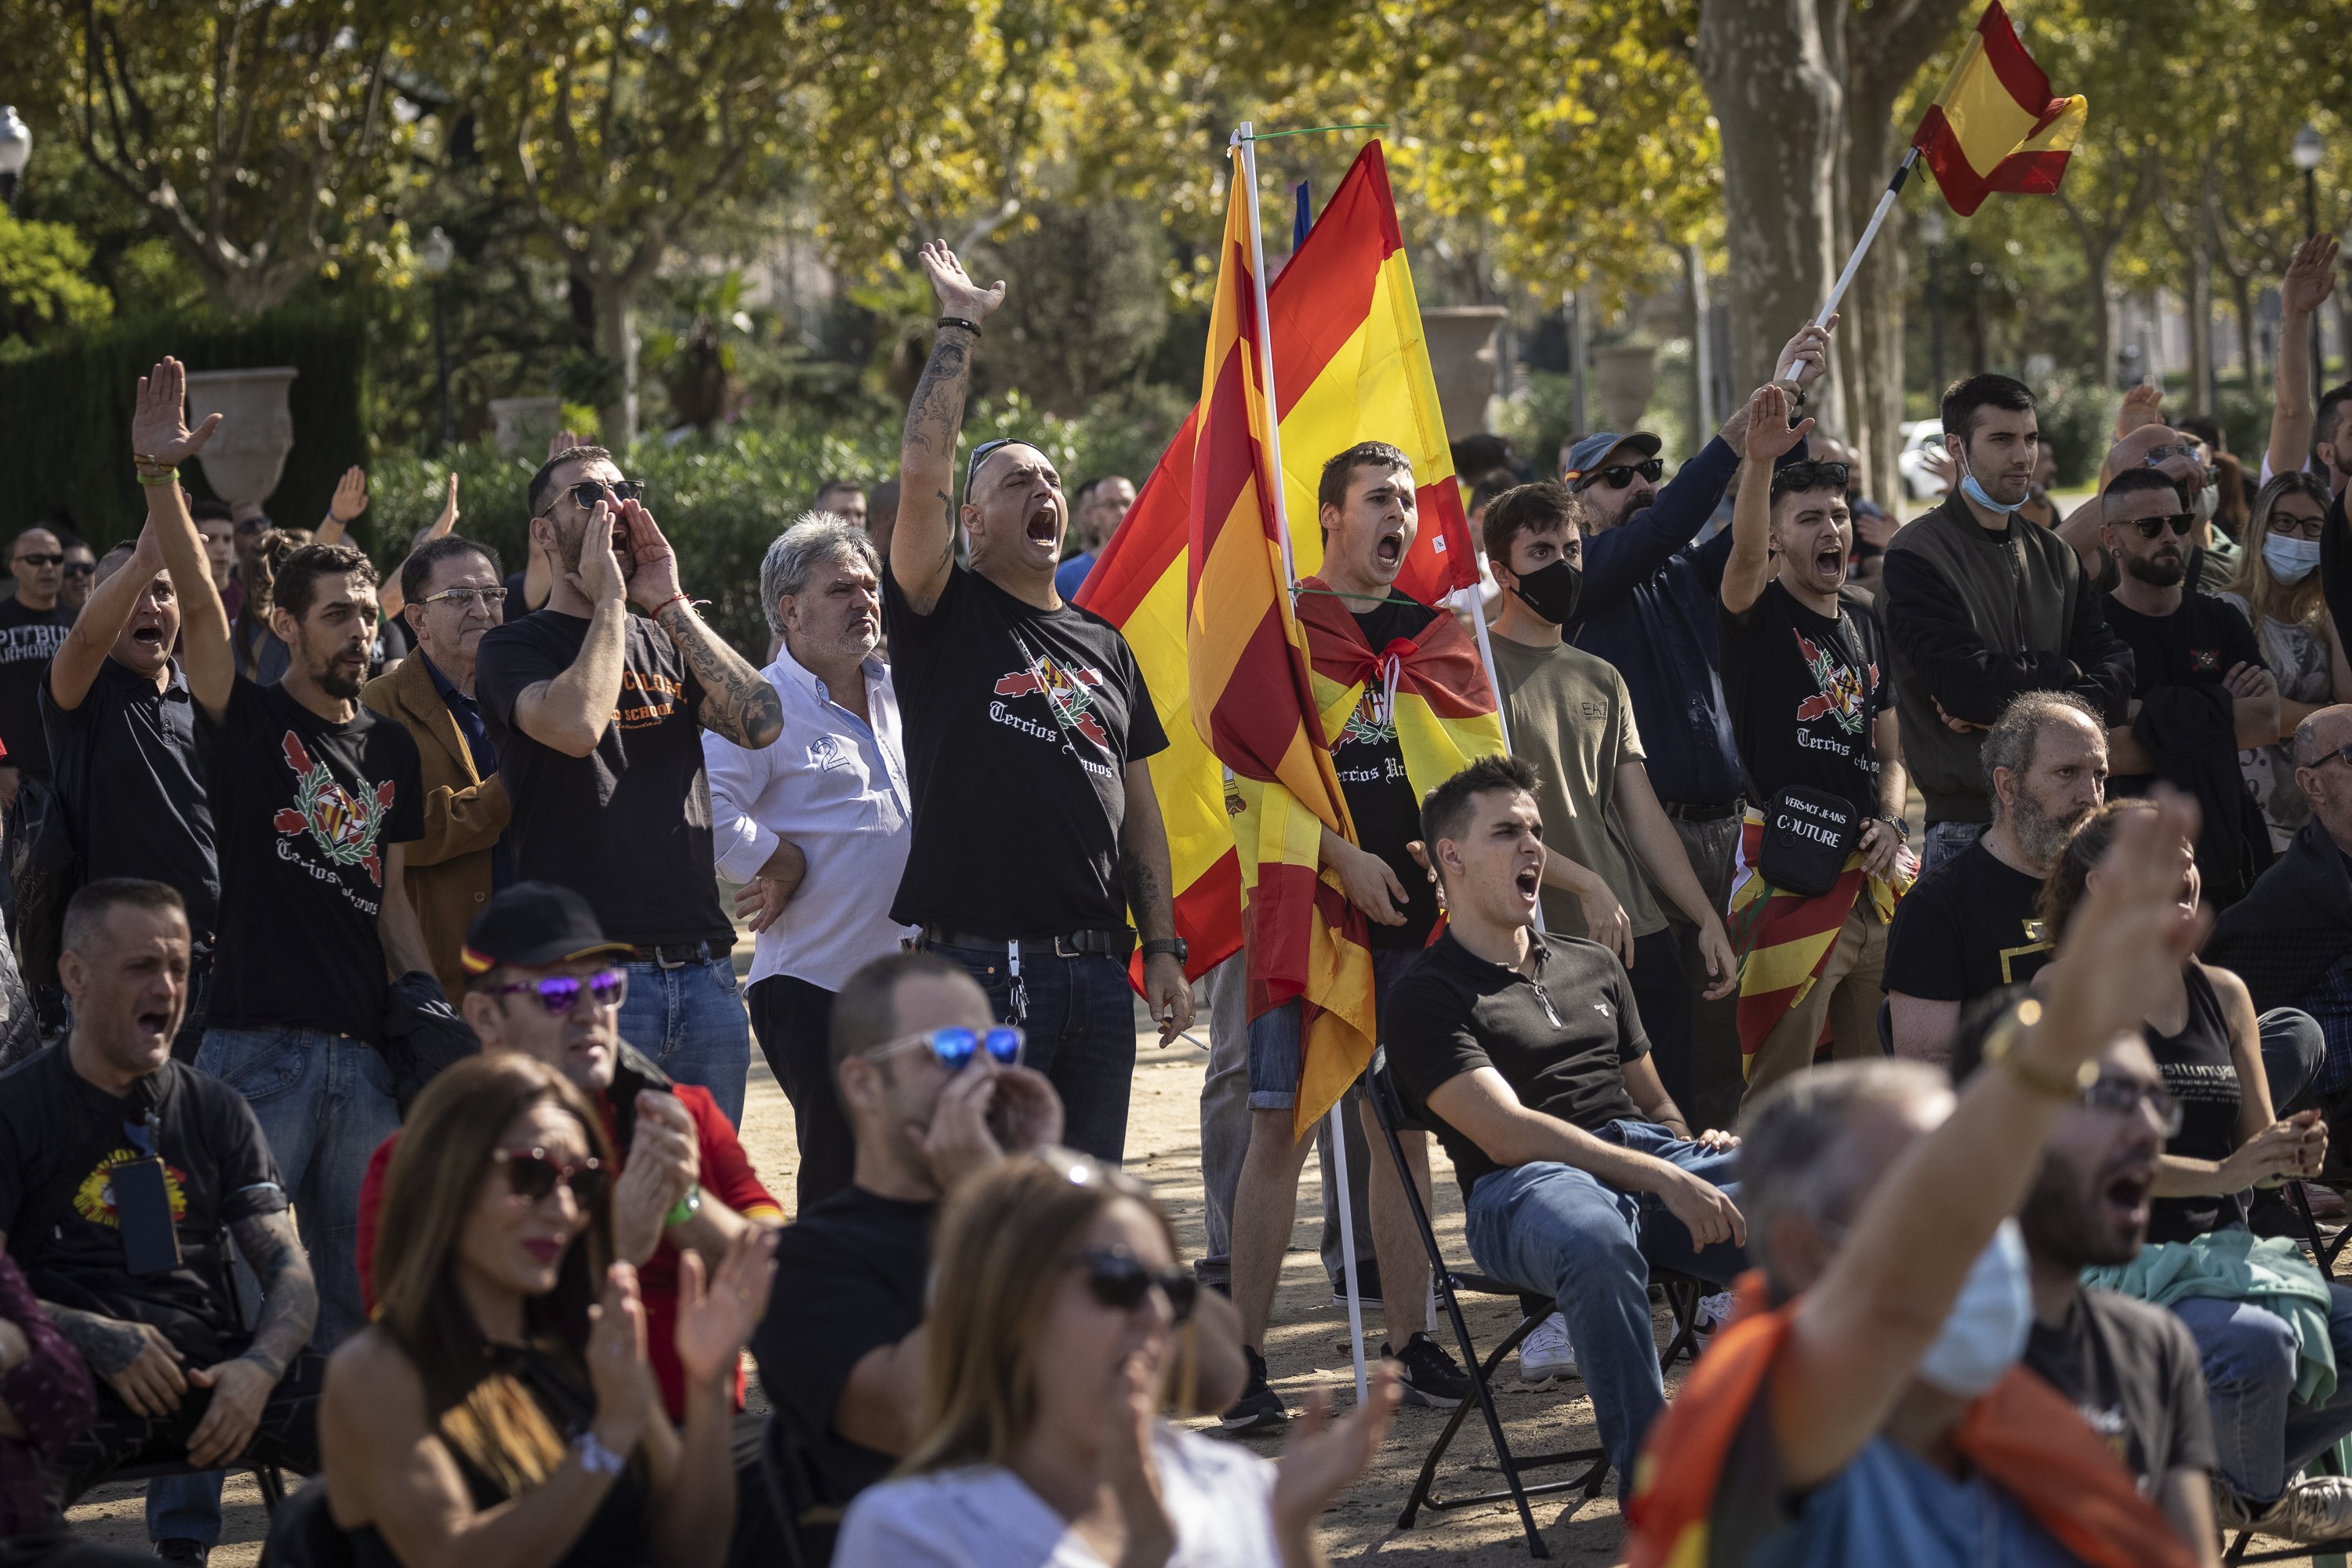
16,152
2307,150
1931,230
437,253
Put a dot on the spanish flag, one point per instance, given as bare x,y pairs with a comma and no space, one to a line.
1997,126
1349,365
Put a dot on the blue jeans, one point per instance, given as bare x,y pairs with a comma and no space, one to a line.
1552,1229
2261,1435
689,1019
1080,1029
2293,1047
1945,839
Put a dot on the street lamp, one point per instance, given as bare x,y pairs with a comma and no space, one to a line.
16,152
2307,150
437,253
1931,230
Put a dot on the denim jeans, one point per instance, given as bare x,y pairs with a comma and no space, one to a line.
1080,1026
689,1019
1552,1229
1945,839
2293,1047
2261,1435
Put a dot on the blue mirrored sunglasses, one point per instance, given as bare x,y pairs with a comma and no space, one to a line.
953,1047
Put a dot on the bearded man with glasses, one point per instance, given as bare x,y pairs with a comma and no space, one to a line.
2201,691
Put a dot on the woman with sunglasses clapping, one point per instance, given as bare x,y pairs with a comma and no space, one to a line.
501,1413
1059,1331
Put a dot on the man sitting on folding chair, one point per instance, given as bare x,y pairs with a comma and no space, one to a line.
1526,1055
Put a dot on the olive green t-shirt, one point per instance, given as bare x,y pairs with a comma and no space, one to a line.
1570,715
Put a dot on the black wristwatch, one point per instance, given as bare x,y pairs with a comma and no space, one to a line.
1168,946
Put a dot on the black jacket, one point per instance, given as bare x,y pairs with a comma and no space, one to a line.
2292,926
2191,731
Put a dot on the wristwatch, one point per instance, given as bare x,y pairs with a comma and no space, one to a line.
1901,828
1169,946
2000,1050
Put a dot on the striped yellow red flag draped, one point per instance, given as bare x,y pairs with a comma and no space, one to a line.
1783,939
1997,126
1349,365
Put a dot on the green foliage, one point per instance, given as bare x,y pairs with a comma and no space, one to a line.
43,289
1093,301
2077,416
68,411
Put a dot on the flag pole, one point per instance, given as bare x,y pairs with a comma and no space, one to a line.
1862,246
1246,141
1467,601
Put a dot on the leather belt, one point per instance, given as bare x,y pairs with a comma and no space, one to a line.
1686,811
1116,944
679,954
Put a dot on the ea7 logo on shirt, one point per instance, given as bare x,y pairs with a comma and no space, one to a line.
1070,692
1602,1008
342,828
1841,690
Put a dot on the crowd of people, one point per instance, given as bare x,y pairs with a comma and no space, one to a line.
379,1056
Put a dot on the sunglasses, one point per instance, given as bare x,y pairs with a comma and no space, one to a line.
2159,454
532,1173
559,994
29,559
466,598
954,1048
588,492
1619,475
82,569
2123,1096
1119,1280
1814,476
979,455
2181,522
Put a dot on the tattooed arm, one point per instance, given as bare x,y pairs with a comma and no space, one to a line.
289,1295
135,1358
922,549
1143,869
737,700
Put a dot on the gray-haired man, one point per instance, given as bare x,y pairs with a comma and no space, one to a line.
827,806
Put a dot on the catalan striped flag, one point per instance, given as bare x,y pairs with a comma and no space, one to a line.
1783,939
1349,365
1997,126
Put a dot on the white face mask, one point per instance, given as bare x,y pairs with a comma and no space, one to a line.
2289,559
1985,1334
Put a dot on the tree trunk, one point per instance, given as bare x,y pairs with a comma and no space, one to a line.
616,340
1778,104
1873,329
2241,300
2200,328
2098,261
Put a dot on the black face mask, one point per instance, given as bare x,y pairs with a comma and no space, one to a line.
1551,591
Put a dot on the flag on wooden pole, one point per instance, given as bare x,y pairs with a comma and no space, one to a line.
1997,126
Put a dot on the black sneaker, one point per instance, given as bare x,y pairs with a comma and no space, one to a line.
179,1549
1368,1284
1431,1377
1259,1407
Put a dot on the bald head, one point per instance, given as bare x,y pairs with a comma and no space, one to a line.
2133,451
2327,730
2321,772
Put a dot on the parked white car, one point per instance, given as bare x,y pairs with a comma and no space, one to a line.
1920,437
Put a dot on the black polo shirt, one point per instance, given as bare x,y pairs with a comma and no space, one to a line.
132,788
1561,1038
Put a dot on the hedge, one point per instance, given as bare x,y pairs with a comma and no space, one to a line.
67,413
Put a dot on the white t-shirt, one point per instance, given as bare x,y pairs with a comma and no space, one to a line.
1219,1496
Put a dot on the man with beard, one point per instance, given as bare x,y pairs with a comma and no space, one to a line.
1028,722
314,801
1979,609
1972,928
598,717
2201,691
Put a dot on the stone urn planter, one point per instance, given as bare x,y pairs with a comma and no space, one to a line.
1626,373
1461,339
246,455
525,421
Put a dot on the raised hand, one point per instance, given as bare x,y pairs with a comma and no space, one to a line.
1133,1472
159,425
1769,434
958,295
598,578
351,496
2310,276
2141,405
617,1368
448,518
715,1321
653,570
563,441
1806,356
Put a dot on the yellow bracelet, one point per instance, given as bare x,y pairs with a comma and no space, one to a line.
168,477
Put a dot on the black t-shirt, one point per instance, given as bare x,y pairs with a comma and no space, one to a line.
61,1135
29,638
129,753
1967,929
1019,724
850,1273
2133,1371
2201,1072
1561,1039
2197,645
628,827
1370,765
304,810
1804,691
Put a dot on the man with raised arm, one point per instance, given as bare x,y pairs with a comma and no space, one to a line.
598,716
1027,724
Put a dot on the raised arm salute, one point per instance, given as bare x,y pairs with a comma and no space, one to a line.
1027,725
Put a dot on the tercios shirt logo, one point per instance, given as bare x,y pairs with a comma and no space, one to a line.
1070,692
1841,691
341,828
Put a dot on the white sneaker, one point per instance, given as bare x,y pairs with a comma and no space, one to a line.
1546,1353
2316,1507
1713,1311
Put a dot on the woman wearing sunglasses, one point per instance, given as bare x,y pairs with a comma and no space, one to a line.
1058,1332
501,1413
2277,588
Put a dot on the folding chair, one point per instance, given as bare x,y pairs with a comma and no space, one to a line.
2322,1253
1682,1293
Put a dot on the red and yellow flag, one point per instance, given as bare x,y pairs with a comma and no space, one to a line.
1997,126
1349,365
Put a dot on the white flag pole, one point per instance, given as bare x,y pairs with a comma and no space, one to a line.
1247,174
1862,246
1467,601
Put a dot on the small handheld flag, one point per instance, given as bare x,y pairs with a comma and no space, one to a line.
1997,126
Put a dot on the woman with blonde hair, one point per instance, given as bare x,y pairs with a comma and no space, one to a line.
500,1412
1059,1331
2277,587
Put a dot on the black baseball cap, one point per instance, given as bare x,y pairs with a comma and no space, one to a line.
534,924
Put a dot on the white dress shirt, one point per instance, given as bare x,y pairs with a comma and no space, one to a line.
836,786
